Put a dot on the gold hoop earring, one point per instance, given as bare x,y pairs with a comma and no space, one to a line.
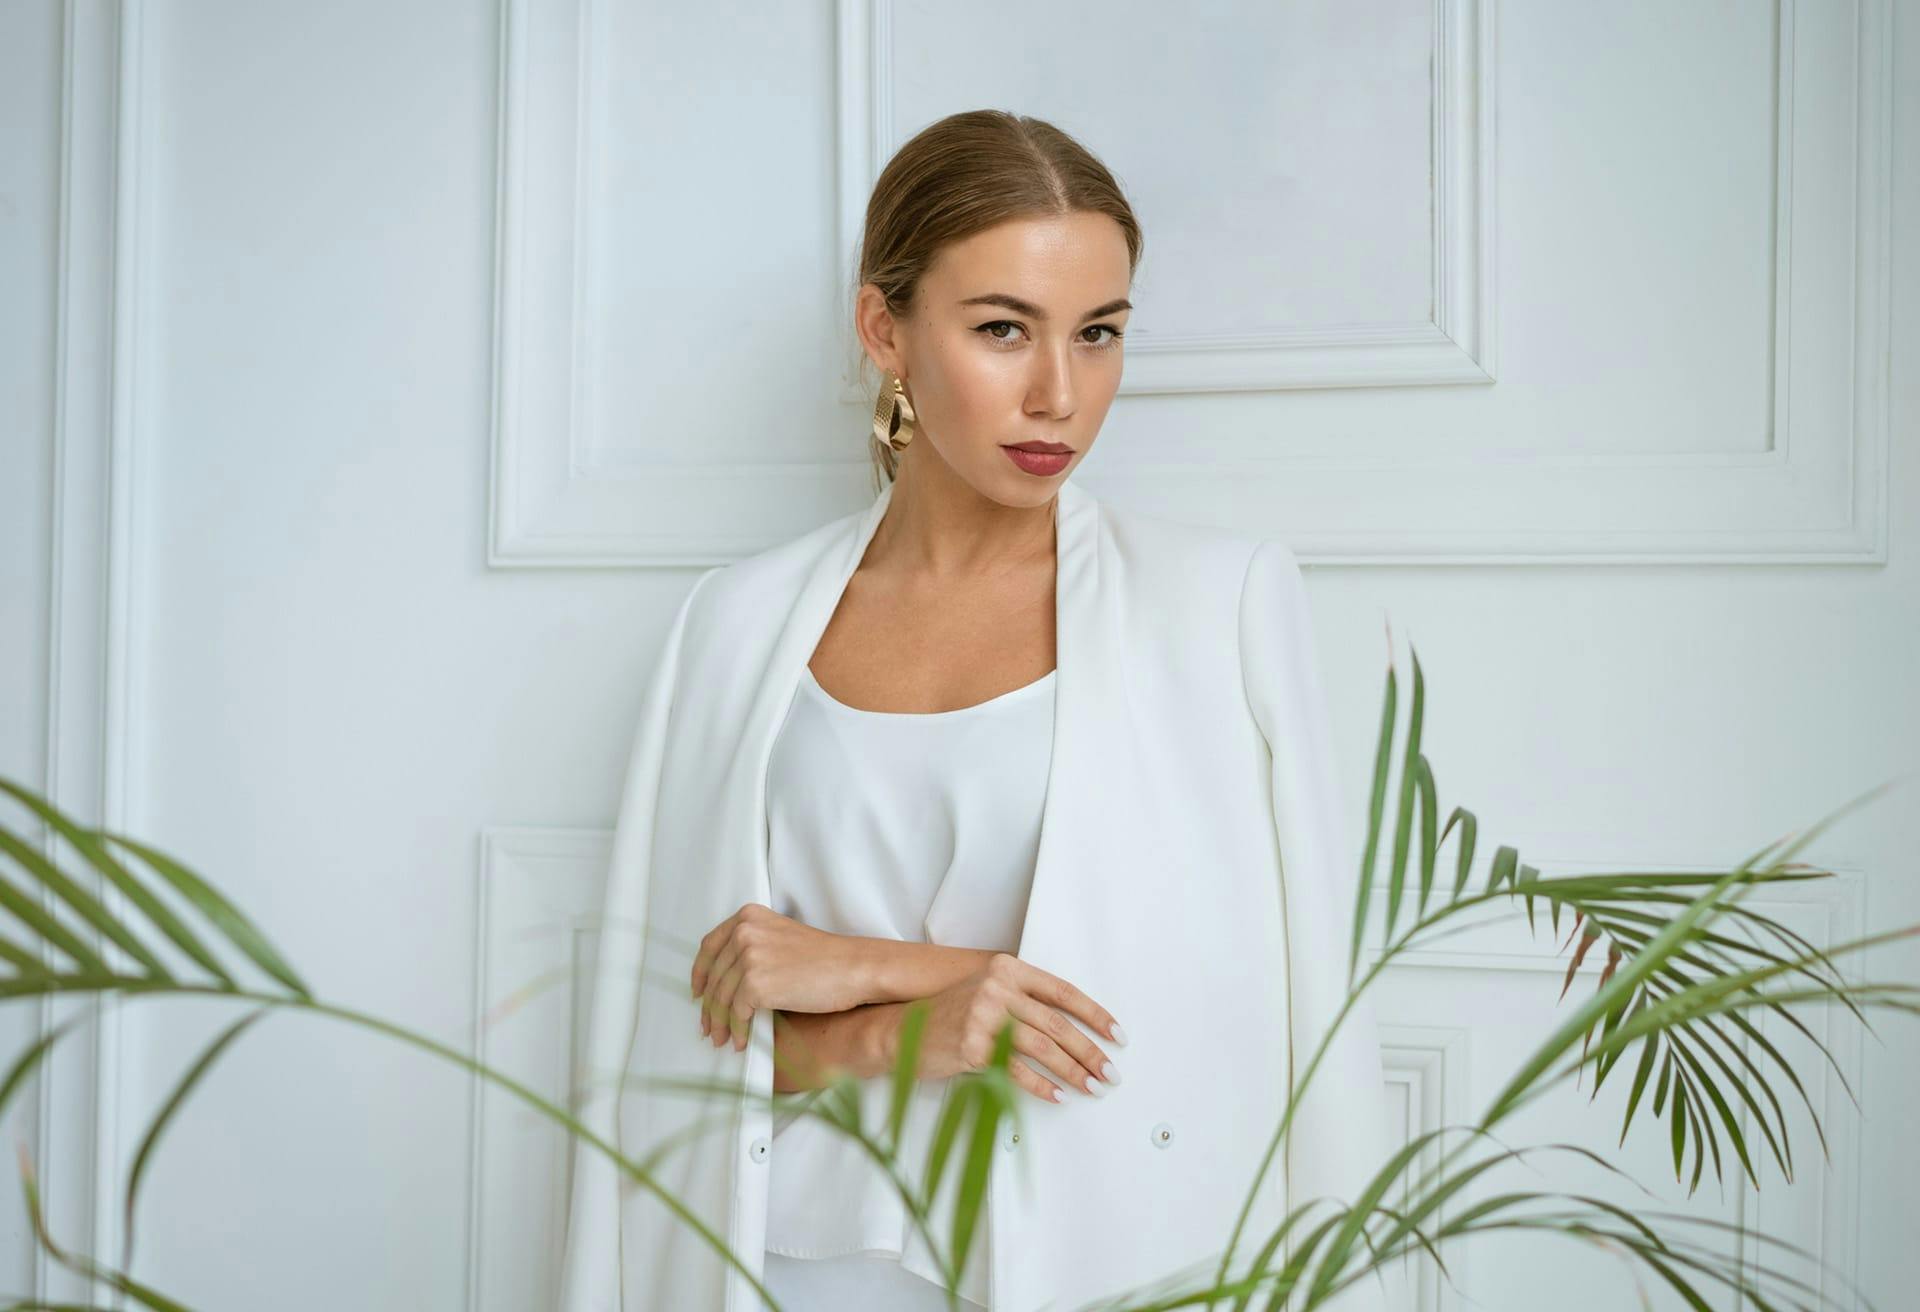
893,417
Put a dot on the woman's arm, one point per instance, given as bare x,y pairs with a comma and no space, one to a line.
898,971
757,958
809,1045
964,1020
864,1040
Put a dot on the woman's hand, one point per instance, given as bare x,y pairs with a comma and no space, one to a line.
757,958
965,1019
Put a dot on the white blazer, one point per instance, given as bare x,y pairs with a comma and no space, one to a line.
1193,877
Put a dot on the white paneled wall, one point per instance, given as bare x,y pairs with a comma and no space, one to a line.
540,903
380,375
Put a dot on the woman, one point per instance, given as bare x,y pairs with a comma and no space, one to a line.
996,744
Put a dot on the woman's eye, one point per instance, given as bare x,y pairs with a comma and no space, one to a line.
1112,339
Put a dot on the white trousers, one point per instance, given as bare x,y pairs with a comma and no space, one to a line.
854,1282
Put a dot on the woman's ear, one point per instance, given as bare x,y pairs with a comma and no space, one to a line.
878,330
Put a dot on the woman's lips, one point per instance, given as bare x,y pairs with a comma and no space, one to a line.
1038,462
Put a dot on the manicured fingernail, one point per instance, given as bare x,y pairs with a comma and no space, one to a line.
1096,1088
1108,1073
1054,1094
1119,1035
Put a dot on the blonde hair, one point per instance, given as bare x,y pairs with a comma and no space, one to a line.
961,175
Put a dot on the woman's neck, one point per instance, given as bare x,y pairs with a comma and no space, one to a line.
939,527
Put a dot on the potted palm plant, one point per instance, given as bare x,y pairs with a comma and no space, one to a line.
1689,968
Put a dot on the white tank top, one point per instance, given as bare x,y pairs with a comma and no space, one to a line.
910,826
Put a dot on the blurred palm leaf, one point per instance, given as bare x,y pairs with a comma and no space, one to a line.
1688,971
1686,965
56,957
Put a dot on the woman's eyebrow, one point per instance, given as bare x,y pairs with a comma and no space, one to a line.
1033,311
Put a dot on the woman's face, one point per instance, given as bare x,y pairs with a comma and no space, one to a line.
1014,339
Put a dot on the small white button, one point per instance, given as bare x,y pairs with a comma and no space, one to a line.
759,1150
1161,1134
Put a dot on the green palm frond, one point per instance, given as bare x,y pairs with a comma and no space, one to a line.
44,955
1695,957
1692,974
143,1295
1688,968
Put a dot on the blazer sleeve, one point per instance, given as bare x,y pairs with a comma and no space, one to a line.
1341,1134
590,1276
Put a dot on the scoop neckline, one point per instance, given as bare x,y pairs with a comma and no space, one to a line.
1039,683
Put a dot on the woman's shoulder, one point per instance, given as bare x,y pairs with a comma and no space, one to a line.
731,597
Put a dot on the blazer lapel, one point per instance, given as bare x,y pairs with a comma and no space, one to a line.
806,621
1082,660
812,606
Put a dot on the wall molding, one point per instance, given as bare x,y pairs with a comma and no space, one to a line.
547,505
1431,1064
538,897
1814,492
1817,493
97,593
1455,344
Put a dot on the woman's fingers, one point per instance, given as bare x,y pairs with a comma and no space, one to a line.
1058,993
710,946
1058,1044
717,939
719,1004
709,1013
731,1013
1032,1081
723,977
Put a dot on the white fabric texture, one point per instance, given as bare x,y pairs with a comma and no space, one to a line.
858,1282
919,827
